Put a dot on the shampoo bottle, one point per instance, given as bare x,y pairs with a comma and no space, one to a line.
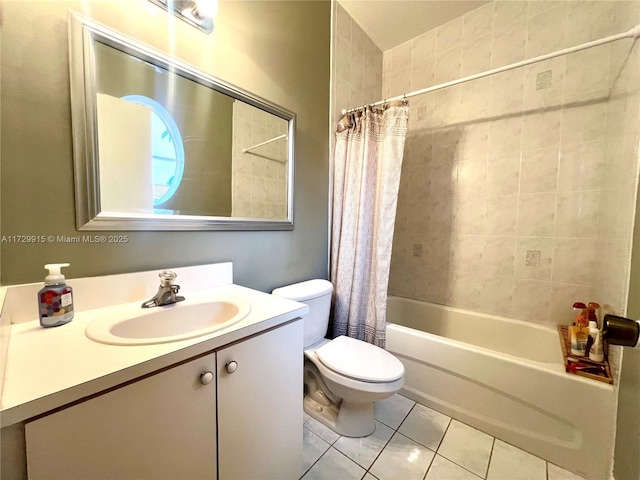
55,300
597,349
579,339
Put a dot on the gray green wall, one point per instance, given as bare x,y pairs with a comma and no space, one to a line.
277,50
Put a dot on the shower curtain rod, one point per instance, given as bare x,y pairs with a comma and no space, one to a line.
633,33
246,150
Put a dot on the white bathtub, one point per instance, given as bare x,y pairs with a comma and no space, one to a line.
504,377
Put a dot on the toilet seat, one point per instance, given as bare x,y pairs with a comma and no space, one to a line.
354,384
360,360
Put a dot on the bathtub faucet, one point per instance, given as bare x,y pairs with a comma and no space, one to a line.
166,292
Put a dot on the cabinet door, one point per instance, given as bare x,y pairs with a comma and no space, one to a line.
161,427
260,406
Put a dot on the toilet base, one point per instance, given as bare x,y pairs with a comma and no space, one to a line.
349,419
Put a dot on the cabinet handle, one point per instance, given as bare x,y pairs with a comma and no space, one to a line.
206,378
231,367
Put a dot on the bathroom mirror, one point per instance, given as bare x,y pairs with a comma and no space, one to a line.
161,145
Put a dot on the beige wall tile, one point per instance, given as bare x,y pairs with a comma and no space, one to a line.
448,65
468,216
563,296
472,177
539,170
476,56
466,253
423,74
541,129
536,214
528,301
497,295
534,258
583,121
465,290
508,11
597,14
584,72
424,46
578,214
507,93
505,135
509,43
475,100
503,174
474,141
544,84
547,31
477,23
532,165
537,7
574,261
449,35
501,216
582,166
498,257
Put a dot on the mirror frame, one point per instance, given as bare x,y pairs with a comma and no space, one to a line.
83,33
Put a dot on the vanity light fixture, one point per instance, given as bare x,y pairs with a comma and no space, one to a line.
199,13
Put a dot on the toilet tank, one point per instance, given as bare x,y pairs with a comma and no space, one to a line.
317,295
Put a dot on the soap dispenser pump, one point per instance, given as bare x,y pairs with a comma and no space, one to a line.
55,300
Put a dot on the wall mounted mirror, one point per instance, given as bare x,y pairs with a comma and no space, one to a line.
161,145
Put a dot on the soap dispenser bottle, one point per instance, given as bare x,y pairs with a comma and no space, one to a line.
55,300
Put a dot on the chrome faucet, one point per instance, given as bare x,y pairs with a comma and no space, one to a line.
166,292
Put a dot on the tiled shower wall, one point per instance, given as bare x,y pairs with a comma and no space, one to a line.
621,160
357,66
259,177
518,189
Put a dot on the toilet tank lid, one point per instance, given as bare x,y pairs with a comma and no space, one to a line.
304,290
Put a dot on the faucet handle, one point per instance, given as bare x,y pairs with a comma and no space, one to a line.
167,277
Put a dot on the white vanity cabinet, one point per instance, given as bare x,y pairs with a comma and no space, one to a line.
260,406
160,427
173,424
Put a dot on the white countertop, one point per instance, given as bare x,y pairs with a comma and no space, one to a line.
49,368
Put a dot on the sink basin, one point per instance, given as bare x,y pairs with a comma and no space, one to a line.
133,325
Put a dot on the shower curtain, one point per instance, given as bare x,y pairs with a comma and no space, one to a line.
366,179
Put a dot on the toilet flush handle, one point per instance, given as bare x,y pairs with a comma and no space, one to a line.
231,367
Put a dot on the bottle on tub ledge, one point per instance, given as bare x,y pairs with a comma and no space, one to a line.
592,310
55,300
577,310
596,352
579,332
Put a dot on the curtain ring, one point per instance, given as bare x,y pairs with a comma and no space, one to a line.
405,102
385,104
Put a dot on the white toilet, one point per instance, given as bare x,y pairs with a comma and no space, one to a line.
343,376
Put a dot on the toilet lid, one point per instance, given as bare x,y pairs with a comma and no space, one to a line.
360,360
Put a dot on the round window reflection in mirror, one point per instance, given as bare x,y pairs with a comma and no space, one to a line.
167,151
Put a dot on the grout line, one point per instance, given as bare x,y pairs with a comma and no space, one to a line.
395,430
493,444
320,457
462,467
444,433
546,470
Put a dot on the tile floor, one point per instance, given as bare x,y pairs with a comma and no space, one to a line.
412,441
